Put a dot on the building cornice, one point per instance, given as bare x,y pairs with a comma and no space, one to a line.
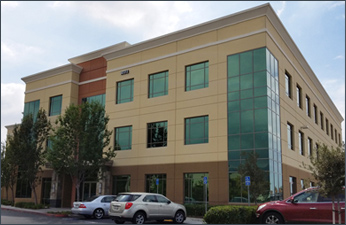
98,53
53,72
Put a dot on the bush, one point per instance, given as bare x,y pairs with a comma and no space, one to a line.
6,202
29,205
231,215
196,210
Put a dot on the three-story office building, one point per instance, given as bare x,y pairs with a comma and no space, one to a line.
185,106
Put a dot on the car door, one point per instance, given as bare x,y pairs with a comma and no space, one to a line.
165,208
151,205
303,209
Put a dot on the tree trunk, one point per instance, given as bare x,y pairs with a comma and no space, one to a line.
7,193
34,191
339,211
333,209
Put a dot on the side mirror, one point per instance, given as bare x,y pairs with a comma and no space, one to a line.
292,200
169,202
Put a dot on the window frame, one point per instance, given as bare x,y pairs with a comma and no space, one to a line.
309,142
165,142
322,120
288,85
301,142
308,106
205,127
151,79
205,76
119,100
116,135
290,136
51,104
299,96
315,113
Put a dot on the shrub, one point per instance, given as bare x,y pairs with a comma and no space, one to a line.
196,210
29,205
231,215
6,202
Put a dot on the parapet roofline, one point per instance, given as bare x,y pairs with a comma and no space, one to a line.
98,53
241,16
52,72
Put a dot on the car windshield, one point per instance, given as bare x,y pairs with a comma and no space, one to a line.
126,198
91,198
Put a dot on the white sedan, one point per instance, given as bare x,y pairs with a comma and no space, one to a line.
96,206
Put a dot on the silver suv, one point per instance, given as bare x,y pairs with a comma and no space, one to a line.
139,207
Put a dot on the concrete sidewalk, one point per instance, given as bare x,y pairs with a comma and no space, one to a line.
38,211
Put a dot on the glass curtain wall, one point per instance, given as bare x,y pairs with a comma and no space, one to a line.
254,119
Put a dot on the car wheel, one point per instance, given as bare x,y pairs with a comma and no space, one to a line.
272,218
119,221
139,218
98,213
179,217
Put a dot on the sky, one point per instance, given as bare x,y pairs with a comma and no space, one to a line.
37,36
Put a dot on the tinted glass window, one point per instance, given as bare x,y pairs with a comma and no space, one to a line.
162,199
158,84
307,197
127,198
149,198
125,91
197,76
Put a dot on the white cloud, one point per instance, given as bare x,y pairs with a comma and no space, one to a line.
336,4
12,105
17,52
11,4
280,11
339,57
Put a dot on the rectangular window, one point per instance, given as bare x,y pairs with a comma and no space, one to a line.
339,139
309,146
55,105
196,130
197,76
327,126
315,114
96,98
23,189
293,185
290,136
121,183
301,143
123,138
288,85
321,118
157,134
331,131
312,184
32,108
316,149
194,187
125,91
156,183
299,97
158,84
302,185
307,103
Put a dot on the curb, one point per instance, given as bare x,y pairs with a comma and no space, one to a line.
38,213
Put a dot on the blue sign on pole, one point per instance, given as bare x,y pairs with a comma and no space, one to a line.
157,181
205,180
247,181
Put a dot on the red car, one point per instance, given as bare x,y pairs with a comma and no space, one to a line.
307,206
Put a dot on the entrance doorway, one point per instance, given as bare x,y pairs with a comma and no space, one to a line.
46,185
89,189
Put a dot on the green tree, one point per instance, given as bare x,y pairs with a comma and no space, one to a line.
328,169
27,146
79,143
8,169
259,183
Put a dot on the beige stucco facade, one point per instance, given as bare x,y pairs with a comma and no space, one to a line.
213,42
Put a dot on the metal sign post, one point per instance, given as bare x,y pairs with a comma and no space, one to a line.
157,185
247,183
205,182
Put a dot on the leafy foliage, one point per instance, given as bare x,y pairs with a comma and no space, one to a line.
259,183
79,143
328,169
231,215
26,150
